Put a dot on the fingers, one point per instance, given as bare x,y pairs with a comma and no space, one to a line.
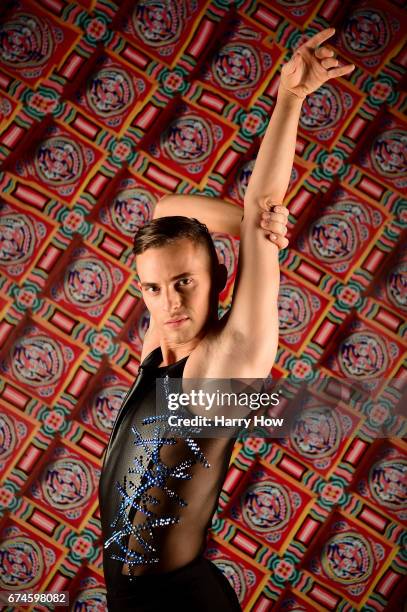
274,216
329,63
279,208
319,38
279,214
268,204
276,223
341,71
326,55
274,227
280,241
323,52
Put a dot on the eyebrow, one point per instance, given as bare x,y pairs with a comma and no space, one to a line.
172,278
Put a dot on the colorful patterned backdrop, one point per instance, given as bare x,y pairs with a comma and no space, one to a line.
104,107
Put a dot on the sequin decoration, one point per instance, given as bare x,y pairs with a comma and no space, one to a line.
136,496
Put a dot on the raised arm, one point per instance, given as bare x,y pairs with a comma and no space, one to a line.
310,66
218,215
248,342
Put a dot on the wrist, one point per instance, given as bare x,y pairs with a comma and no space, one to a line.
289,97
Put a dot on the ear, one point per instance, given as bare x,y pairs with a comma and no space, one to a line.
221,277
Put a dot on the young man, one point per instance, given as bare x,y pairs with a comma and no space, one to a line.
158,493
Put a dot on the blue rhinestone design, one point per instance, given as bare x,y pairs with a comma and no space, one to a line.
136,497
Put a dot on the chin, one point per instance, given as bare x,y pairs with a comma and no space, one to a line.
178,334
188,336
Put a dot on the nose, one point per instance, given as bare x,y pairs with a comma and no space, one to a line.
171,300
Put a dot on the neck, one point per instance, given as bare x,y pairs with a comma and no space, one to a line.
172,351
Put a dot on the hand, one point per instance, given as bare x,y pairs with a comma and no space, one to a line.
311,66
275,221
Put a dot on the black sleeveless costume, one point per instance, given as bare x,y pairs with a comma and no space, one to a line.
157,496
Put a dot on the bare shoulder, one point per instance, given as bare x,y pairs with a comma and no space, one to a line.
151,342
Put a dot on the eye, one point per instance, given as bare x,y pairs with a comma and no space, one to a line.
152,290
183,282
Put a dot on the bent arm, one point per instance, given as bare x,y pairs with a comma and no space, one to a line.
218,215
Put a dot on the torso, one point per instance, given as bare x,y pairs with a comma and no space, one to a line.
177,543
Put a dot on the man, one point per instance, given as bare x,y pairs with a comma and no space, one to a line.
158,493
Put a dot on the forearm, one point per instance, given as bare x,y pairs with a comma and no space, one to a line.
218,215
272,170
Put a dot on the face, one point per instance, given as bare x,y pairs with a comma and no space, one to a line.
176,285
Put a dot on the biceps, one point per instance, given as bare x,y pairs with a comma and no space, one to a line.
254,312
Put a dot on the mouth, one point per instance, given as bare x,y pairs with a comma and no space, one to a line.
176,322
